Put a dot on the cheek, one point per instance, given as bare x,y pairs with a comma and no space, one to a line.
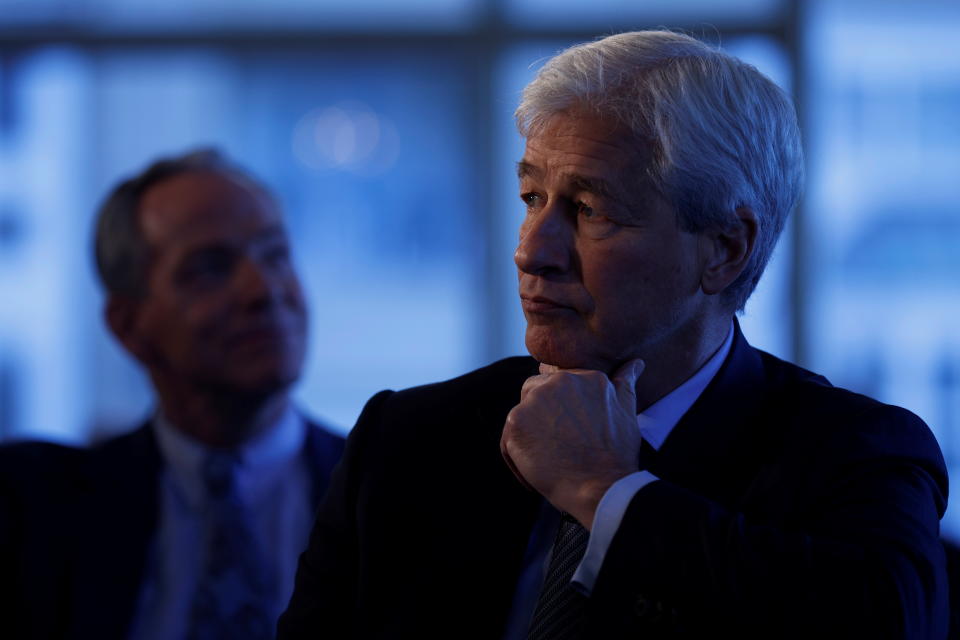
204,319
632,300
297,296
612,280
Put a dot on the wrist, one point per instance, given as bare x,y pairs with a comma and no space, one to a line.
582,502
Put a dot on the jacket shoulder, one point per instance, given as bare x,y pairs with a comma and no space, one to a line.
34,465
813,397
831,421
455,410
493,386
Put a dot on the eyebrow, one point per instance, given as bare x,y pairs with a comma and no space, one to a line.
265,235
273,231
598,186
525,169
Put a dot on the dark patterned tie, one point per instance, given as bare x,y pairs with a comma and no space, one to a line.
559,612
233,595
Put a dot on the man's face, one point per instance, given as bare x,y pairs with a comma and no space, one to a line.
605,272
224,309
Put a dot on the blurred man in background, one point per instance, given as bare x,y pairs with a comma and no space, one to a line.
190,526
647,474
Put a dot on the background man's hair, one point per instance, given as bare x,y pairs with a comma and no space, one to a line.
122,253
724,135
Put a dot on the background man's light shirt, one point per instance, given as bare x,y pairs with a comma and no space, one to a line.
274,482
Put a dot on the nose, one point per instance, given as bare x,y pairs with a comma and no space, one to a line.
254,283
545,243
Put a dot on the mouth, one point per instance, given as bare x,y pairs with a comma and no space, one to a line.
543,305
260,336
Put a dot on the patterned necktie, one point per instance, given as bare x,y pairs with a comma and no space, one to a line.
560,607
233,595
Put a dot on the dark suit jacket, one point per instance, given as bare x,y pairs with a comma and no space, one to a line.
75,528
952,550
787,508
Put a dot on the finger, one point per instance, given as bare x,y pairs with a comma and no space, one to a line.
509,461
548,368
625,382
513,468
530,384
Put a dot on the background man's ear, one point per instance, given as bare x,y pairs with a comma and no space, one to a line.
728,251
122,314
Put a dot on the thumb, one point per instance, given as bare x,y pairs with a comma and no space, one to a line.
625,382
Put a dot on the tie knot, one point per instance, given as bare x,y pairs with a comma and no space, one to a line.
219,472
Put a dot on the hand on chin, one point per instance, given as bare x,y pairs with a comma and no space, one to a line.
573,434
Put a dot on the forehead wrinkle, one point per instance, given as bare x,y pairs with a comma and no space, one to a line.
580,181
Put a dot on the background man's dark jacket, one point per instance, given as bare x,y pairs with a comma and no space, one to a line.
76,525
787,508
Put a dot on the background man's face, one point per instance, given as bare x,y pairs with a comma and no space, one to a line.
224,308
605,272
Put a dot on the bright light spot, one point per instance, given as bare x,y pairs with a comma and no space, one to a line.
346,137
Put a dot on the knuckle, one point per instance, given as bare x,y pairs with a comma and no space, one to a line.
530,384
512,423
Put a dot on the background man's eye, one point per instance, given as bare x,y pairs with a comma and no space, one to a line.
277,255
585,210
207,269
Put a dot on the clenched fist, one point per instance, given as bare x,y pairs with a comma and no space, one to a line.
574,434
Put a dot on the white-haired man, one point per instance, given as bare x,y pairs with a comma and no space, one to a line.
647,474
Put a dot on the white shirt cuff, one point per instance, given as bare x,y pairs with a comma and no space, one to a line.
606,521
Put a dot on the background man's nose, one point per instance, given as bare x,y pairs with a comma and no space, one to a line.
254,282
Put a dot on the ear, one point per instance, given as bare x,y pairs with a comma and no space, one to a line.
727,251
122,314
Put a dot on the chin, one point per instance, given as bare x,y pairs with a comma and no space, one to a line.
264,383
565,353
574,350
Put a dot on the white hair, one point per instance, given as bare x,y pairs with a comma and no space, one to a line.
724,136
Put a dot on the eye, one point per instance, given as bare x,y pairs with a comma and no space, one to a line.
586,211
278,254
530,199
206,268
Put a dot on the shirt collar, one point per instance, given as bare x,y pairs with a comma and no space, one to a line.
658,420
272,449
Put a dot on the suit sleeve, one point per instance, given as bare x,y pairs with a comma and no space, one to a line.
856,555
325,590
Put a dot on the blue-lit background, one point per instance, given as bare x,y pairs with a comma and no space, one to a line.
386,129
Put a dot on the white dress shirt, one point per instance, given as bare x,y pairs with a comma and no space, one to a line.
275,483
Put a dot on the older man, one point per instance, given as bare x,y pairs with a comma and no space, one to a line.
190,526
647,474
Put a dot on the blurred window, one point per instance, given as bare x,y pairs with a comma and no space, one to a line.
102,16
883,220
623,14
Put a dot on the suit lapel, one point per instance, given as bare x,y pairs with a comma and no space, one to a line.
115,526
322,450
711,451
716,438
